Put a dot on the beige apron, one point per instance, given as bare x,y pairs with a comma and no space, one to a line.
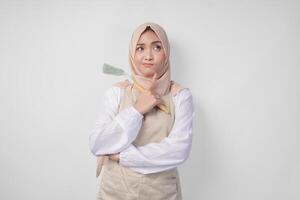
122,183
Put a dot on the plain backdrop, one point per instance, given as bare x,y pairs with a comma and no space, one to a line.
240,60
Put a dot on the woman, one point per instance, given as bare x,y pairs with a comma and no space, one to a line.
146,129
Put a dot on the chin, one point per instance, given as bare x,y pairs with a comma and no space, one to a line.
148,74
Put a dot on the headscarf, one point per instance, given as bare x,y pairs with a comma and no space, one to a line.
164,76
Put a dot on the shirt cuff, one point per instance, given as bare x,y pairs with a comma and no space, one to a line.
124,155
136,111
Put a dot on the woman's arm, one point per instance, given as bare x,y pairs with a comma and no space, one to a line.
172,150
113,131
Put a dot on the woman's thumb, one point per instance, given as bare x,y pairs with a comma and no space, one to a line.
154,77
153,81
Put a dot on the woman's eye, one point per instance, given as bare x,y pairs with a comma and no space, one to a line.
140,49
157,47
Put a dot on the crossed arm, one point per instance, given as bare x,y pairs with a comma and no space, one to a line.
114,133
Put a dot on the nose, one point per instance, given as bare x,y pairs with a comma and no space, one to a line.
148,55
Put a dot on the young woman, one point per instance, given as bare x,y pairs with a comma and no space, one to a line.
146,128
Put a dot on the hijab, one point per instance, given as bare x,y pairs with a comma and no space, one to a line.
164,76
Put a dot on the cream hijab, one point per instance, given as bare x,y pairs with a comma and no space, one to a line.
164,76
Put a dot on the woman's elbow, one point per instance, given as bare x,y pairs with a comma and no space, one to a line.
92,148
185,154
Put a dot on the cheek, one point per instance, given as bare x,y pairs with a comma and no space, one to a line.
137,58
160,58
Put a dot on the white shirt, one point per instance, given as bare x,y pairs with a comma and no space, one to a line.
114,132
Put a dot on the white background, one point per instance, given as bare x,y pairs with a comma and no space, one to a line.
239,58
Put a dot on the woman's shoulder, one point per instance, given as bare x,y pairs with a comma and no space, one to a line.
116,91
178,89
121,84
182,96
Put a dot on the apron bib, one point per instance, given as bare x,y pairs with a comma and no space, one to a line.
122,183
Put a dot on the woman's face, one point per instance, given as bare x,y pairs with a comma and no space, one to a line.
149,55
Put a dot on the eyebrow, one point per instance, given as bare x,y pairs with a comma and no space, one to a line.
151,42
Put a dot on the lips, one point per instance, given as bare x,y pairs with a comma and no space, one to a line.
147,64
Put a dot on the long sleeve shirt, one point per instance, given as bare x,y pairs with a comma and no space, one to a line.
115,131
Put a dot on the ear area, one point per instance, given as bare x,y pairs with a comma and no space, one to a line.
175,88
122,84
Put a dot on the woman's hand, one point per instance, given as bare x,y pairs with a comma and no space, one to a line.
114,157
148,99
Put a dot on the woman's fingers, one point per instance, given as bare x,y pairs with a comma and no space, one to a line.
114,157
154,79
149,98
